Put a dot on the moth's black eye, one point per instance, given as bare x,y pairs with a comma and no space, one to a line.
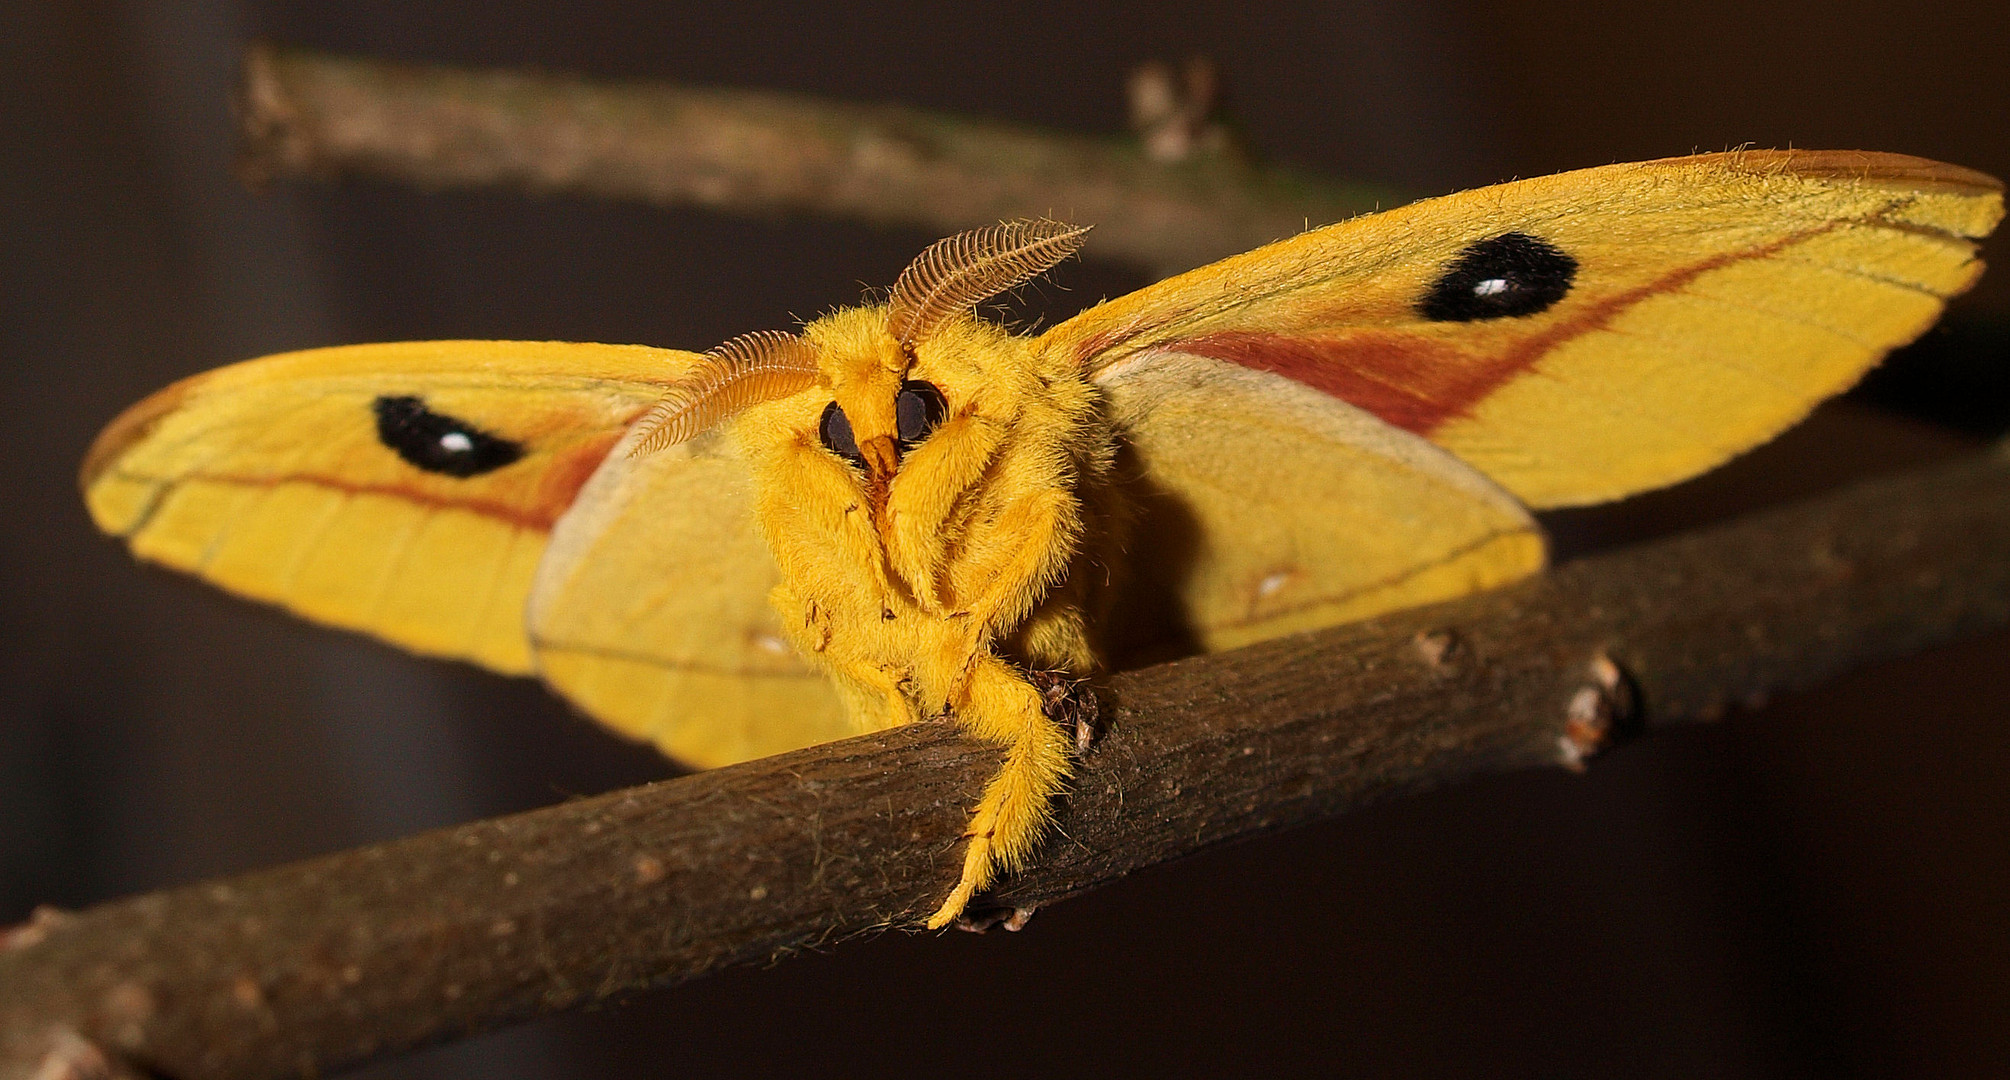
437,442
835,431
1511,274
917,411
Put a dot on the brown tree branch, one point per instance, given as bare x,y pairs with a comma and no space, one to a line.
343,959
312,114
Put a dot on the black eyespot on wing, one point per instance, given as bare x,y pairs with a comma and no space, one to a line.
835,431
437,442
917,411
1510,274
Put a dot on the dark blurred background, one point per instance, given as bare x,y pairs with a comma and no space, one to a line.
1817,887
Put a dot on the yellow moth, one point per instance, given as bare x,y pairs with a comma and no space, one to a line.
902,512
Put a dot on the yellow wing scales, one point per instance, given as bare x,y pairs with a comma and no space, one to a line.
1717,299
1274,508
272,480
650,610
269,479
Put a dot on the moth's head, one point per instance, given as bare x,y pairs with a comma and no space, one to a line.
884,400
868,359
864,366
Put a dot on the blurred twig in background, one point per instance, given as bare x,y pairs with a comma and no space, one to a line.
1189,201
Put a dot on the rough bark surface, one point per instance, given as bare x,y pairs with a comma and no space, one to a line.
343,959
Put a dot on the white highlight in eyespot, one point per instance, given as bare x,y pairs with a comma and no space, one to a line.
1492,286
1273,582
772,643
456,442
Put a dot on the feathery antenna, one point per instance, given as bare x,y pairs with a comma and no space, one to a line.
747,370
956,274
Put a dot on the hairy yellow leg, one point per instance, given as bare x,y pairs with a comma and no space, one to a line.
1001,707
